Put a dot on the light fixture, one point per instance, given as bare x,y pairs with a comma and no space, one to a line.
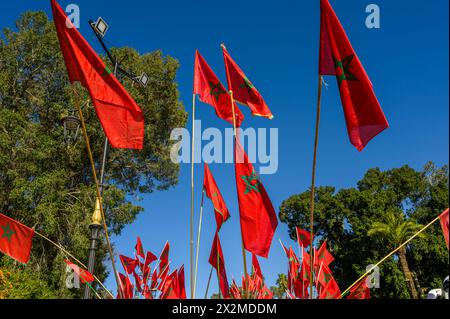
100,27
143,79
71,125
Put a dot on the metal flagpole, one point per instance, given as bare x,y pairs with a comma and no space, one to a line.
244,256
198,240
192,200
313,180
209,281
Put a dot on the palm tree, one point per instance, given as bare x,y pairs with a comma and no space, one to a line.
395,229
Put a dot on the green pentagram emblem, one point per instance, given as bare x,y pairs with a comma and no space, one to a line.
106,71
344,65
322,255
251,183
216,90
327,278
302,237
247,85
7,232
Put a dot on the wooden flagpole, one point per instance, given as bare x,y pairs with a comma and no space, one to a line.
244,256
313,181
97,186
390,254
198,240
192,200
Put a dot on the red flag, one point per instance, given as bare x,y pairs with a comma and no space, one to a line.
265,293
169,289
234,290
138,281
15,239
212,92
444,224
164,257
181,284
218,262
244,91
84,275
257,215
324,275
322,256
121,118
149,258
213,193
303,237
331,290
126,287
129,264
364,116
302,284
360,291
256,267
139,248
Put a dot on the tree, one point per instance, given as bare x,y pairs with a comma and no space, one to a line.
394,230
48,185
279,291
344,217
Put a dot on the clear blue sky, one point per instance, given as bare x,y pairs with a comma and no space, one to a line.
276,43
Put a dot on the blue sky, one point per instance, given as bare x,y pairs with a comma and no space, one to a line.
276,43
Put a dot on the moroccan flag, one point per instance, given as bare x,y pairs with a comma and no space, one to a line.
244,91
257,215
211,91
164,257
322,256
265,293
181,284
444,224
302,284
324,275
213,193
139,248
303,237
331,290
234,291
363,114
360,291
84,275
15,239
218,262
129,264
138,281
256,267
169,288
126,286
149,258
121,118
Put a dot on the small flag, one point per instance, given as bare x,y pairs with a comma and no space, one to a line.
164,258
211,91
121,118
126,287
129,264
258,218
444,224
331,290
364,116
139,248
256,267
213,193
303,237
15,239
360,291
244,91
84,275
217,260
322,256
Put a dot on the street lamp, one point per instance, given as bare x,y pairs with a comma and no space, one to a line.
71,125
143,79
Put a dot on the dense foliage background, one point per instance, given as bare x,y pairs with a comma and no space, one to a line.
344,218
48,185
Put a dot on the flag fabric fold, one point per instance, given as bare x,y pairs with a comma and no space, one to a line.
84,275
121,118
217,261
211,91
257,215
364,117
16,239
212,191
444,224
243,90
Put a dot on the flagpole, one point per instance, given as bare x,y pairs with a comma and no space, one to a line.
209,281
244,257
192,199
218,265
313,181
97,186
198,241
390,254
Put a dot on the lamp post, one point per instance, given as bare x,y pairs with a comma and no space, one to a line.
71,125
100,27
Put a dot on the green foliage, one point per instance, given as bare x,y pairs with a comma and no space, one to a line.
48,185
279,291
344,219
